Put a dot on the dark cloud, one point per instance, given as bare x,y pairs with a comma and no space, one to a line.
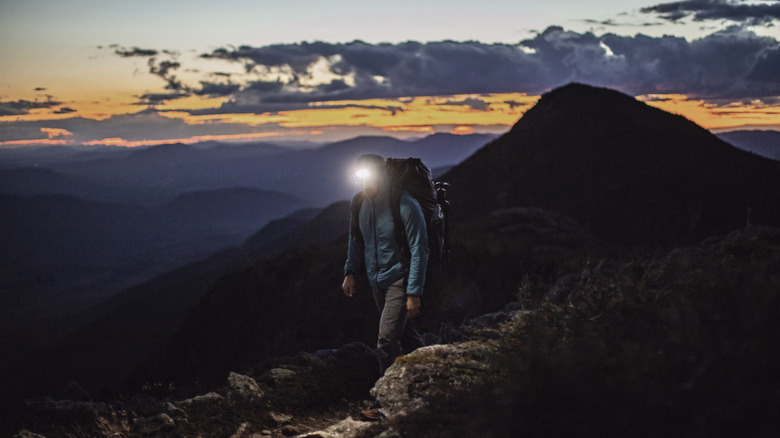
473,103
721,65
216,90
234,107
21,107
135,51
164,70
610,22
39,89
158,98
731,63
515,104
734,10
65,110
767,69
264,87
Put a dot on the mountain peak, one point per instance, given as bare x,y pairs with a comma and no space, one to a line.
630,172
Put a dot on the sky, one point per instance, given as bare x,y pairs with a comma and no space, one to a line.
152,72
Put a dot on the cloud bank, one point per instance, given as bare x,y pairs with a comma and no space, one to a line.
21,107
734,63
742,11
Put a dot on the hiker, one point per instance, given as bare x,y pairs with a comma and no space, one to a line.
396,279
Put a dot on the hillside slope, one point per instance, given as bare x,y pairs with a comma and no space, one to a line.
668,346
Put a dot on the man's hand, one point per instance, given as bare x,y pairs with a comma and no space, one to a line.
349,285
413,306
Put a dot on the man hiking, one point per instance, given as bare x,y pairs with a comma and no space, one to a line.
396,276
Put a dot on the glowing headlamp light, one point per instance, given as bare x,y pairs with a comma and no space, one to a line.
363,174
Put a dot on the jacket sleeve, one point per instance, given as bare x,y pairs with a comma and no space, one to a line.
355,252
417,235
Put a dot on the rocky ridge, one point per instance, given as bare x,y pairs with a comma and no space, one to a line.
675,345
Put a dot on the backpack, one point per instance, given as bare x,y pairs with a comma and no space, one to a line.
412,176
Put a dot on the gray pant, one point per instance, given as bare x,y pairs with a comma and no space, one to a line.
393,325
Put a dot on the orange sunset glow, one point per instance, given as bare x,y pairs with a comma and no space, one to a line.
458,114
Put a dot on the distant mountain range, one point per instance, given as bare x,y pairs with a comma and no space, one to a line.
167,205
764,143
154,175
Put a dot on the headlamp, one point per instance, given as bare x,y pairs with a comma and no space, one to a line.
363,174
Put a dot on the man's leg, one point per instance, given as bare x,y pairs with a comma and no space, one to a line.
411,338
392,304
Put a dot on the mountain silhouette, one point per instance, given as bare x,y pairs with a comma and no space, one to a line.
631,173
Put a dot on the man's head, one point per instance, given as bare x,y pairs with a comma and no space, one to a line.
371,173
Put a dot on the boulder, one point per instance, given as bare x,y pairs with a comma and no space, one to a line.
430,376
27,434
280,419
211,397
244,431
243,386
159,425
174,412
347,428
277,376
66,407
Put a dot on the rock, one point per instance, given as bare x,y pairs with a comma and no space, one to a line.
159,425
67,407
143,404
206,398
348,428
243,386
354,352
431,376
280,419
389,433
512,306
27,434
309,360
290,430
174,412
448,334
563,287
277,376
489,320
243,432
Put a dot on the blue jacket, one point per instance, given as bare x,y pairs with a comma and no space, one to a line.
379,252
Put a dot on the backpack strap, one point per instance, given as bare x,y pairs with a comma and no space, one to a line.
398,223
357,202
